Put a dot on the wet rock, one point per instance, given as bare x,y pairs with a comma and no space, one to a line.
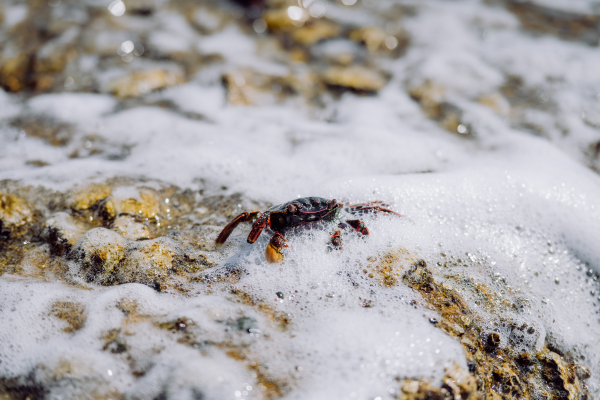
377,40
429,95
53,57
199,243
493,341
14,211
138,83
278,20
87,196
457,384
49,129
13,69
248,87
496,102
496,367
99,252
389,268
508,382
316,31
419,275
356,77
560,375
130,200
244,324
461,383
339,51
431,98
179,325
129,228
149,261
113,342
564,24
71,312
583,372
62,231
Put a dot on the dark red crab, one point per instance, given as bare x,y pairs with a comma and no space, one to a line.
300,214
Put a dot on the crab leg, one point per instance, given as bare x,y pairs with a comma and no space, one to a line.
370,207
261,223
336,241
357,224
376,202
273,252
243,217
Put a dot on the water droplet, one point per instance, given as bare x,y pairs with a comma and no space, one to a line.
391,42
117,8
259,26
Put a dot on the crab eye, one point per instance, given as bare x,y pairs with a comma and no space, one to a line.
291,208
332,203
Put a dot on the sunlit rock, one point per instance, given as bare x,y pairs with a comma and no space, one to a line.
432,98
62,231
354,77
86,196
540,18
458,384
429,95
248,87
148,261
73,313
378,40
141,82
53,57
130,200
129,228
316,31
14,211
279,20
496,102
98,253
389,268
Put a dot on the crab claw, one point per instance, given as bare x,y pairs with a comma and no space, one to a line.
273,252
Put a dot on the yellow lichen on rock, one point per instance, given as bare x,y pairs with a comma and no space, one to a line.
389,268
278,20
354,77
312,33
248,87
462,384
72,312
501,371
148,261
566,373
99,251
377,39
138,83
372,37
14,211
130,200
129,228
459,384
84,197
429,95
496,102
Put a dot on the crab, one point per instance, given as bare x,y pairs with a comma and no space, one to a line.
301,214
